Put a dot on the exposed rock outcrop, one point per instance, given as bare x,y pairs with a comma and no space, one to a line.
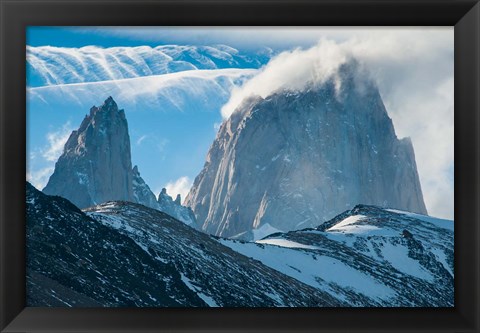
142,192
96,163
297,158
96,166
166,204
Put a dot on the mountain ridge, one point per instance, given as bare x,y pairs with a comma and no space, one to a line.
365,257
95,258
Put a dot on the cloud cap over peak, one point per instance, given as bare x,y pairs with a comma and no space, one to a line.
293,70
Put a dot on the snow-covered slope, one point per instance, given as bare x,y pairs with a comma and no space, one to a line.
218,275
75,261
174,208
367,256
47,65
125,254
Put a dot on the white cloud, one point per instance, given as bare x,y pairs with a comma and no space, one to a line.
180,186
40,171
162,146
414,72
56,142
141,139
250,38
292,70
39,178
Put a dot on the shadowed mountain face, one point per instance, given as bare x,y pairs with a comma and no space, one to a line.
74,261
298,158
125,254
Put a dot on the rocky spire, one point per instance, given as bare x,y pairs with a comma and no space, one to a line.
178,199
96,163
174,208
141,191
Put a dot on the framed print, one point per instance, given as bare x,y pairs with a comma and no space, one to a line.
239,166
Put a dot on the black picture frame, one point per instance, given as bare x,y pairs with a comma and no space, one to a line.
16,15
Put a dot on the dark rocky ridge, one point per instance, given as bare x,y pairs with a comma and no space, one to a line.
126,254
73,260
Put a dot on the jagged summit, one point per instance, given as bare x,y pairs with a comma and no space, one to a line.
141,191
297,158
174,208
178,199
96,162
96,166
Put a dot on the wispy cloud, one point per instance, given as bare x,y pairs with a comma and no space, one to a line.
413,68
162,145
292,70
253,38
56,142
39,178
180,186
41,162
141,139
216,126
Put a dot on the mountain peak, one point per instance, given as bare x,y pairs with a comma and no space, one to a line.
164,194
96,164
297,158
178,199
110,101
174,208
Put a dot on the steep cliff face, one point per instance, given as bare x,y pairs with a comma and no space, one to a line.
174,208
141,191
96,164
297,158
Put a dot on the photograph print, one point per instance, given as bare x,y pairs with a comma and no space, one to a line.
240,167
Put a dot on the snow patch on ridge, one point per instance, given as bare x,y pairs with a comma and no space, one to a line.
285,243
315,270
442,223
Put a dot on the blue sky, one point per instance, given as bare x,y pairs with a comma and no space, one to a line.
173,118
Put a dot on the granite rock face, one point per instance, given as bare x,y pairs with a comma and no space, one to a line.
174,208
96,166
96,163
141,191
295,159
